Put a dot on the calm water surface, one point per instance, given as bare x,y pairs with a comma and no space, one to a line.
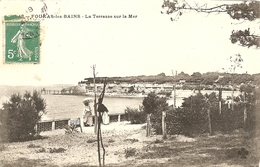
68,106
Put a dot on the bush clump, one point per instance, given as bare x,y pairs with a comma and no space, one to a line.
192,118
20,115
111,141
91,140
2,147
41,150
135,116
57,150
33,146
129,152
51,150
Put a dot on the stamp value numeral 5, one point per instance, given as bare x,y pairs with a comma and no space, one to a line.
11,54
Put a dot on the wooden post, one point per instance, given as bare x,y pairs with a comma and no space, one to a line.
95,109
53,125
148,126
80,124
220,97
174,88
164,125
69,122
210,130
36,127
232,102
245,117
199,86
119,118
245,110
219,107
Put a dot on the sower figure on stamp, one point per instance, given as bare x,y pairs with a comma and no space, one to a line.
19,38
103,110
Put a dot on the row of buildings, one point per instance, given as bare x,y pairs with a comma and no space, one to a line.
132,88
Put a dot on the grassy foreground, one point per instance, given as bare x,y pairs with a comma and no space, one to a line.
132,148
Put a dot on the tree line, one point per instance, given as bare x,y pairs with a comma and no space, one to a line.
196,78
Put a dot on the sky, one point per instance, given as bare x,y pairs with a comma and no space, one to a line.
146,45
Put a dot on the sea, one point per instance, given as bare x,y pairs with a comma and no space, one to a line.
71,106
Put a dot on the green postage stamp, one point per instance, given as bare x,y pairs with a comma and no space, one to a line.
22,41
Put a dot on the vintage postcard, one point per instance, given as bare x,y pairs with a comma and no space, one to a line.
129,83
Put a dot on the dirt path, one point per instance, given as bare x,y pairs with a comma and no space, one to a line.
79,148
126,145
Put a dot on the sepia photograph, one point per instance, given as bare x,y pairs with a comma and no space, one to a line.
164,83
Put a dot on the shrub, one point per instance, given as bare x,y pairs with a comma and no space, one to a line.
156,122
3,126
33,146
192,118
132,140
129,152
158,141
111,141
41,150
175,122
51,150
57,150
154,105
2,147
135,116
91,140
20,116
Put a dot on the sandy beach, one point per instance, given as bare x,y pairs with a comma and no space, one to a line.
81,148
127,145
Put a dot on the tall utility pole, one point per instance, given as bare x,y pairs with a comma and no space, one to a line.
95,100
235,63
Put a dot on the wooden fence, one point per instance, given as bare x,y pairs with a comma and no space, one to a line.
117,117
49,125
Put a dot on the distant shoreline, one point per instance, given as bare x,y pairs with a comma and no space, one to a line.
184,94
107,95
